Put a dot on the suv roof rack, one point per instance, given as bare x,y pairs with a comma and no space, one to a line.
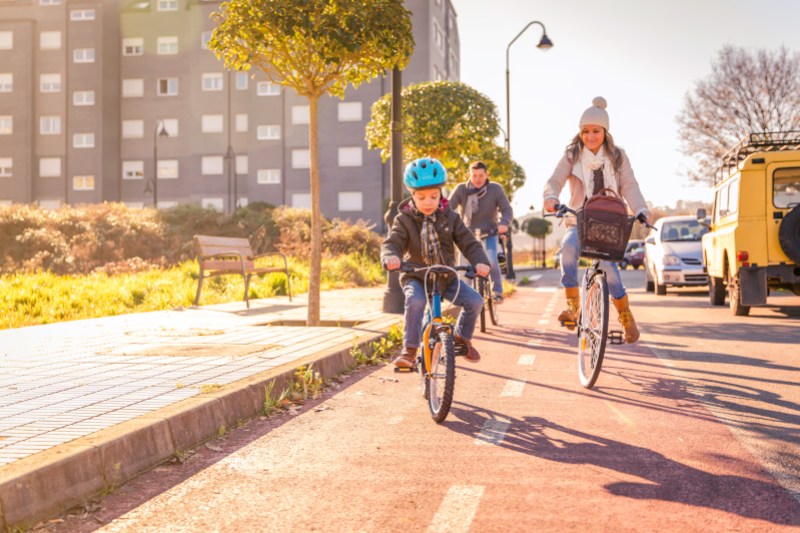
767,141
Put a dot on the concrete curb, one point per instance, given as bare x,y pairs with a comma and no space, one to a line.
49,482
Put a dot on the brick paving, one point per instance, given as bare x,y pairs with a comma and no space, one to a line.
60,382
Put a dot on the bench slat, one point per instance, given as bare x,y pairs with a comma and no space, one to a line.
206,250
221,241
234,266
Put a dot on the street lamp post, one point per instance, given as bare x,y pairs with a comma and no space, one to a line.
393,298
544,44
230,157
154,179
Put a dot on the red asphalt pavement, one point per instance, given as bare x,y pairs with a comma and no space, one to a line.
525,448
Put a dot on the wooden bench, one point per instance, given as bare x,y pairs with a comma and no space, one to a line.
219,256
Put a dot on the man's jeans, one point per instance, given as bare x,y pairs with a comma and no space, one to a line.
569,266
470,302
494,270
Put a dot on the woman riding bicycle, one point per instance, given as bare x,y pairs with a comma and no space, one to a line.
426,231
591,163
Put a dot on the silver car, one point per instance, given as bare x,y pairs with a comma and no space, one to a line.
674,254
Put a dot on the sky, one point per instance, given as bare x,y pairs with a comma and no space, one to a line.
641,56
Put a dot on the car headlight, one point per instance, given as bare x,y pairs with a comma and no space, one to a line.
671,260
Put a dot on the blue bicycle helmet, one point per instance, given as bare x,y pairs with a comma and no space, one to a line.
424,173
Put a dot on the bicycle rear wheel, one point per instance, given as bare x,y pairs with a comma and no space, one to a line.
593,330
480,285
494,312
442,380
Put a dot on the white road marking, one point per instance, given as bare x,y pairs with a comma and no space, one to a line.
458,509
396,420
544,322
539,331
527,359
534,342
547,315
546,289
514,387
492,433
534,277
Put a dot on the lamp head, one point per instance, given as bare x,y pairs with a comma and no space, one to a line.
545,43
229,155
163,132
148,189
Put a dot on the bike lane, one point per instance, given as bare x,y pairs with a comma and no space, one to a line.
524,448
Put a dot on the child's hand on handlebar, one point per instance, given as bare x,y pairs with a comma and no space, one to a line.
550,205
502,228
392,262
482,270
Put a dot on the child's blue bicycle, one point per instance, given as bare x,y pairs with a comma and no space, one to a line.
436,362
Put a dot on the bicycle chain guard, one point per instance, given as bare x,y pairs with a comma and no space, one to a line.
616,338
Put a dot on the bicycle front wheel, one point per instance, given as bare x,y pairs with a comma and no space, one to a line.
442,380
593,330
480,286
494,312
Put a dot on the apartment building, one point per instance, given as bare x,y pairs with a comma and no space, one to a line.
89,90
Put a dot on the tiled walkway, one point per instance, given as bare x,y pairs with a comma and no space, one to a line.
63,381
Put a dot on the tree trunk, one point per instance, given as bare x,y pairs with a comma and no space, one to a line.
315,268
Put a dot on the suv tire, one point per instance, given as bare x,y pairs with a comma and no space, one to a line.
661,290
789,234
735,298
716,290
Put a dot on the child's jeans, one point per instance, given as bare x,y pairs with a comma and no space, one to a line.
494,266
569,266
470,302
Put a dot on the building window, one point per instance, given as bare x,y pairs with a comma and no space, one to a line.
300,114
167,169
453,66
132,129
166,204
301,158
132,88
242,164
438,36
301,200
437,74
50,125
50,167
81,14
212,123
134,205
83,98
6,83
211,165
6,125
50,83
212,203
350,156
83,183
51,205
241,81
350,111
133,46
83,55
212,81
266,88
241,122
5,167
269,133
167,86
167,45
6,40
50,2
50,40
167,5
171,125
269,176
83,140
351,201
132,170
204,38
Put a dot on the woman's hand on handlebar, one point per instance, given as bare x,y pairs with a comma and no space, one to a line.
482,270
648,215
392,262
550,205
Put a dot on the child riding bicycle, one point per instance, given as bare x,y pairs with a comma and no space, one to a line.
426,231
590,164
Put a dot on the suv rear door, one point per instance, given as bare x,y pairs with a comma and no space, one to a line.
783,193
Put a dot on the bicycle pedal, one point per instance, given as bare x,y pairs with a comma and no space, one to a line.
568,324
399,370
616,338
460,348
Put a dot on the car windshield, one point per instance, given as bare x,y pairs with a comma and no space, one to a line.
683,230
637,251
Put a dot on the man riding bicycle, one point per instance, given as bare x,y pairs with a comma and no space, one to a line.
478,201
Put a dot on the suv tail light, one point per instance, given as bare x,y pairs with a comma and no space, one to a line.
743,257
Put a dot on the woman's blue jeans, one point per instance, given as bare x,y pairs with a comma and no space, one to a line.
569,266
470,302
494,266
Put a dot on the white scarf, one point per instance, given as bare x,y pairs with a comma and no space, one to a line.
589,163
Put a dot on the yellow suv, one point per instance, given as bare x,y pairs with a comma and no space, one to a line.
754,240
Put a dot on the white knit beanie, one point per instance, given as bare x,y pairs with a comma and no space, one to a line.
596,114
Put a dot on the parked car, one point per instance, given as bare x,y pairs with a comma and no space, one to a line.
754,243
674,254
630,260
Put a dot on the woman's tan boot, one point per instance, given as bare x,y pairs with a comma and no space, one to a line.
626,319
570,314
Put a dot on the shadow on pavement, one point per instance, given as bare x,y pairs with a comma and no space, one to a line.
666,479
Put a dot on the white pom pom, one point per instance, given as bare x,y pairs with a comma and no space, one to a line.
600,102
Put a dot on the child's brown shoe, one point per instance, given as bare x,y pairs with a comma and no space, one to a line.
407,358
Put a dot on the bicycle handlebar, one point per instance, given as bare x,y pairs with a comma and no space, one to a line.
493,233
435,269
562,209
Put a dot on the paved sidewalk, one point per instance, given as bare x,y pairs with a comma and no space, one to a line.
64,381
